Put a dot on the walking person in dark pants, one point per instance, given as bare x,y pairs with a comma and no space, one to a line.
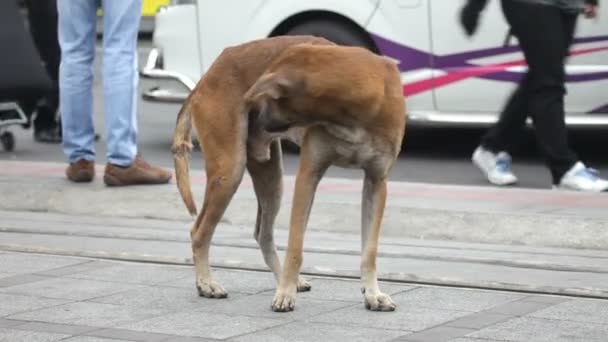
42,17
545,30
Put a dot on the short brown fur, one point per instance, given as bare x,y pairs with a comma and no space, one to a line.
342,105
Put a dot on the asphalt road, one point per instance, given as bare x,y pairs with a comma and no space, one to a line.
431,155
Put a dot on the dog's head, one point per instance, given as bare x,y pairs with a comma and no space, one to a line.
269,97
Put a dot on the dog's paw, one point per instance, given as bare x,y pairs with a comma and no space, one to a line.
379,302
284,301
303,285
210,289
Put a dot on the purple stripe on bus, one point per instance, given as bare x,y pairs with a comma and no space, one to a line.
600,110
412,59
409,58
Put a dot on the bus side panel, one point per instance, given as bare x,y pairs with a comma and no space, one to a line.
403,33
222,26
478,74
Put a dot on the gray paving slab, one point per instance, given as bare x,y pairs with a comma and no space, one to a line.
6,275
58,223
13,335
89,314
519,308
198,323
404,318
242,235
233,281
172,309
92,339
259,306
508,255
189,339
67,288
89,265
129,335
17,217
121,249
441,333
174,230
546,299
478,320
12,304
166,299
315,332
464,273
8,323
134,273
21,279
526,329
402,269
578,310
346,290
470,339
454,299
328,242
68,329
30,263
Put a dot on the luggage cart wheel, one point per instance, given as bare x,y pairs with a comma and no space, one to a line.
8,141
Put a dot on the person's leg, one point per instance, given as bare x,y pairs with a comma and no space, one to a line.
575,176
42,17
77,40
513,117
545,43
491,157
512,120
120,78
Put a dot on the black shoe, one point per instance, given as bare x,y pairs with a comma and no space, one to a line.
48,135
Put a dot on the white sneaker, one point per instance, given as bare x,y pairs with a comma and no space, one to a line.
582,178
496,167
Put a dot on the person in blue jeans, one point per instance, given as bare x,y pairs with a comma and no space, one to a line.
77,37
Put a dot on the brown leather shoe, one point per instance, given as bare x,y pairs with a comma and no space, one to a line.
139,173
82,171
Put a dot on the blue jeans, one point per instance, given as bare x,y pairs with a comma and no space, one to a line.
77,37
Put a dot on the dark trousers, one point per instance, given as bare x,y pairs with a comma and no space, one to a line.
42,17
545,34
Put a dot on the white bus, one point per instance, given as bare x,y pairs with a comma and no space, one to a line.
448,78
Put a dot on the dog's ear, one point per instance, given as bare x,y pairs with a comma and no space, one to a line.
272,85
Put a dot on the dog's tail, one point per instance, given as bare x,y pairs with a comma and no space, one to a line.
181,148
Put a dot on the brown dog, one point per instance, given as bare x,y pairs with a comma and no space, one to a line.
342,105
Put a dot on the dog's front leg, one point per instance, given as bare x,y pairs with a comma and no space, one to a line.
313,165
373,202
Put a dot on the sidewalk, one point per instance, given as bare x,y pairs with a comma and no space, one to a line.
115,264
433,234
52,298
418,211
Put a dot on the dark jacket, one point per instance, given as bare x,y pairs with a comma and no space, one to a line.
22,74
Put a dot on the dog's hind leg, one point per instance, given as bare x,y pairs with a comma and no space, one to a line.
373,203
222,183
267,182
224,150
